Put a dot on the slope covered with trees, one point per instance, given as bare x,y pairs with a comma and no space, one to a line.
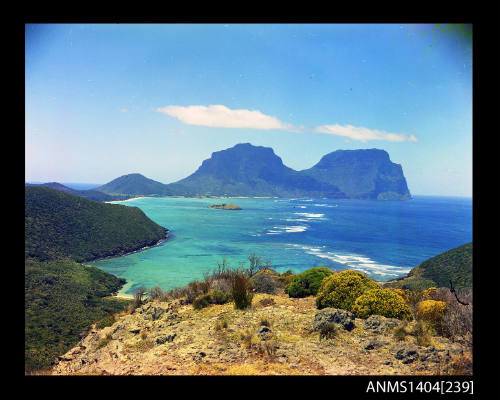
88,194
58,224
62,297
453,265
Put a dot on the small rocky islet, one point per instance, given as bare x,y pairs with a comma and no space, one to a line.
225,207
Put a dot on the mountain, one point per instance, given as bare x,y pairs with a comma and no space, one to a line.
247,170
59,224
454,265
362,174
88,194
134,184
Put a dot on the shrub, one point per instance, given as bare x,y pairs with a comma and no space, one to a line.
328,331
268,301
248,338
219,297
457,319
308,282
341,289
157,293
266,281
213,297
286,278
421,332
104,341
268,347
221,323
432,312
194,289
400,332
430,293
106,321
385,302
138,294
202,301
241,289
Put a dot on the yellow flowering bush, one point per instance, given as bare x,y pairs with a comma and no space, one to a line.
385,302
430,293
431,311
341,289
403,293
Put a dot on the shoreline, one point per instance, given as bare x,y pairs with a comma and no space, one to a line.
131,252
121,201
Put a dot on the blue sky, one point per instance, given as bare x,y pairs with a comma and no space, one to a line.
106,100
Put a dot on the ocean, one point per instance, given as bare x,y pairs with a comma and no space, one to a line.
383,239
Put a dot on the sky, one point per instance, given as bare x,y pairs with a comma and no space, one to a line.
105,100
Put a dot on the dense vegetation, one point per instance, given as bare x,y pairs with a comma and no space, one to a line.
58,224
385,302
88,194
134,184
341,289
308,282
454,265
62,299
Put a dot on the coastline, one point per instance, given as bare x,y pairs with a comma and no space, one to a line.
121,201
167,236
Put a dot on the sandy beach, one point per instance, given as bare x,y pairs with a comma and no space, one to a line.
121,201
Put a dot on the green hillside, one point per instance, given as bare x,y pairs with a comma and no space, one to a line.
454,265
58,224
62,297
88,194
134,185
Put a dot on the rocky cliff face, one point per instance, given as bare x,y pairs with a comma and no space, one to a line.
247,170
362,174
252,171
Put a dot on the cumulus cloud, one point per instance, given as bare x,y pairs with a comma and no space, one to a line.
364,134
222,117
219,116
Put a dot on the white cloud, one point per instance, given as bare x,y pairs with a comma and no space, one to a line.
219,116
222,117
364,134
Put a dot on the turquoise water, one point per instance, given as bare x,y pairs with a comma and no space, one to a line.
383,239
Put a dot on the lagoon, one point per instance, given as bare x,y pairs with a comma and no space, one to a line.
383,239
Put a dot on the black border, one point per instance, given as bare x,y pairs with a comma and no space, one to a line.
353,386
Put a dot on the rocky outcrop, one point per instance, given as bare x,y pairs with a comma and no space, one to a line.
379,324
343,318
225,207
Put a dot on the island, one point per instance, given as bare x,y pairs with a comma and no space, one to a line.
225,207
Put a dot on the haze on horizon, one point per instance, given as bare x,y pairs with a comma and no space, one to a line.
157,99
